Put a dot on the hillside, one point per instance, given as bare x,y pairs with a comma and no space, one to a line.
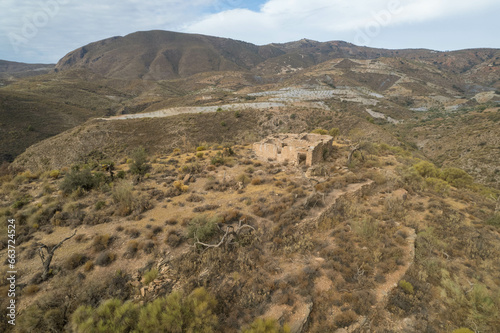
160,55
379,242
156,70
134,163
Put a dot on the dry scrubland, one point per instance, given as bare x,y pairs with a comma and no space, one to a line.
213,239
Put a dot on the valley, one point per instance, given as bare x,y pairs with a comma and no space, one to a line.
141,147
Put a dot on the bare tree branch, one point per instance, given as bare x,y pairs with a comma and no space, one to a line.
49,253
230,231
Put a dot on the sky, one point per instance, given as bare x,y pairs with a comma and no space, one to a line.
43,31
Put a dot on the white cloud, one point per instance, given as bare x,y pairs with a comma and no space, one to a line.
76,23
286,20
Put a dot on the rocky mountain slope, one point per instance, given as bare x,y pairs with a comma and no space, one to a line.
137,152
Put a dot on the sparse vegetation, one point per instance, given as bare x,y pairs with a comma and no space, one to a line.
416,204
78,179
139,165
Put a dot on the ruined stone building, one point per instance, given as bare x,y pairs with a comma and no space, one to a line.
304,148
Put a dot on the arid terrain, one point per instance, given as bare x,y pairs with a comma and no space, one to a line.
136,169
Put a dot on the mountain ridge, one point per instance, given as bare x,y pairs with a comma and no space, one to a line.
158,54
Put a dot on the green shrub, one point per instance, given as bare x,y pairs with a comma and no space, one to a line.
202,227
21,201
457,177
462,330
99,205
164,312
150,276
139,166
191,167
111,316
173,313
36,319
78,179
54,174
406,286
243,178
437,185
413,178
267,325
177,314
426,169
494,220
218,159
334,132
320,131
201,148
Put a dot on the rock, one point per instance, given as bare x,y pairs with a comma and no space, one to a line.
299,319
143,291
186,179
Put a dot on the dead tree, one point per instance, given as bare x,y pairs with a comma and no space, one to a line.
231,235
48,255
356,148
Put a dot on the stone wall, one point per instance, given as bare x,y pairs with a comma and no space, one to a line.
290,147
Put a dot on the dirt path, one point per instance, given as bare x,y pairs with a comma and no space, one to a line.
392,279
196,109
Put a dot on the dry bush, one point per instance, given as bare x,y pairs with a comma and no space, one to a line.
96,218
171,221
156,230
215,185
75,261
101,242
31,289
105,258
127,202
149,247
243,178
231,216
132,248
345,319
174,238
89,265
257,181
362,301
204,208
132,232
195,198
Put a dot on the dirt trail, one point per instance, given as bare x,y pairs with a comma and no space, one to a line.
392,279
196,109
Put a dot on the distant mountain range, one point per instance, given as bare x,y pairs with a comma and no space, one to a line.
161,55
10,70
